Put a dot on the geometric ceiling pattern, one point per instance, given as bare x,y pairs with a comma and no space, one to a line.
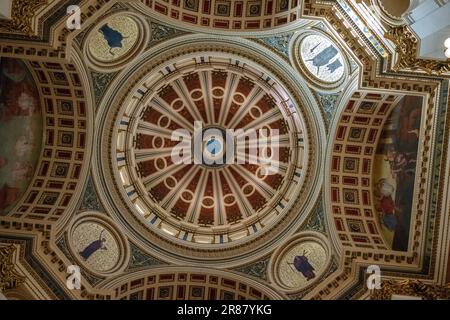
220,150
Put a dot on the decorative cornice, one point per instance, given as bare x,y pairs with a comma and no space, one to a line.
22,12
407,47
410,288
9,278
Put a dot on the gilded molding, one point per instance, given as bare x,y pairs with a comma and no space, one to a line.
9,278
411,288
407,46
23,12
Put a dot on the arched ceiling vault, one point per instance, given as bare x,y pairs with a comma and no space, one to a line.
344,160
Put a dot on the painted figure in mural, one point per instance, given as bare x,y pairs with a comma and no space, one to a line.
401,155
332,67
20,130
301,264
3,161
113,37
94,246
8,195
17,91
404,167
324,57
387,204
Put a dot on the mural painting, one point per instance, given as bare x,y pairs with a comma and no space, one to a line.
116,37
20,131
302,264
395,171
322,58
96,246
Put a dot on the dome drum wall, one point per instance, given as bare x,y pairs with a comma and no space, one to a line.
189,283
157,101
225,16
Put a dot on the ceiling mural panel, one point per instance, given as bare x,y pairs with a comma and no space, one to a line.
395,171
20,131
114,39
221,149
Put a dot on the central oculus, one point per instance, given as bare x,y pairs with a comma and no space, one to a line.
213,144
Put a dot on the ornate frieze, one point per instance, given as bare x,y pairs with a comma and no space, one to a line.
407,47
9,277
22,12
410,288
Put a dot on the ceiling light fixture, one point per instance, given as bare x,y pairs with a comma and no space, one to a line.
447,53
447,43
447,48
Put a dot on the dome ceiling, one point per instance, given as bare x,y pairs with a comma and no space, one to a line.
211,151
212,203
228,15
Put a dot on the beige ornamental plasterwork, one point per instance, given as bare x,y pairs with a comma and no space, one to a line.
407,46
23,13
410,288
9,277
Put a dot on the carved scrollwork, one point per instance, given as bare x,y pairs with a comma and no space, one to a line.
9,278
410,288
407,48
22,12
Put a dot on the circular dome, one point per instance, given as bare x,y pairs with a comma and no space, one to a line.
210,153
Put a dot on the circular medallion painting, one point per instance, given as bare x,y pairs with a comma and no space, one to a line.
95,245
322,58
300,262
114,38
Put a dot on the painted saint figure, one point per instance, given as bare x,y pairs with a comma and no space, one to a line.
95,245
387,204
113,37
324,57
302,265
332,67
